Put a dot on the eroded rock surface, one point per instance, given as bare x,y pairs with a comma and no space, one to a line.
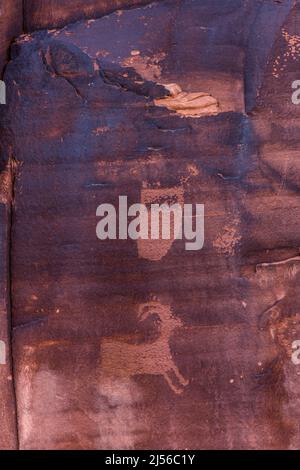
120,344
40,14
11,25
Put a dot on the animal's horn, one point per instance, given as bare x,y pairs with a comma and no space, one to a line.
147,309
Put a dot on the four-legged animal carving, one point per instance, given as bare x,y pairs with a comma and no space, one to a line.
121,359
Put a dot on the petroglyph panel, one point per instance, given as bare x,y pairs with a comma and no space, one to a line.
115,341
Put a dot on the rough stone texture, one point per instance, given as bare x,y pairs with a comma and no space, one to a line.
11,25
123,344
18,16
8,435
41,14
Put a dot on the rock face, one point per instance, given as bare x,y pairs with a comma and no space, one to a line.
11,25
20,16
142,344
8,436
41,14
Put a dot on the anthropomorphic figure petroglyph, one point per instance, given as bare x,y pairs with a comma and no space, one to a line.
120,359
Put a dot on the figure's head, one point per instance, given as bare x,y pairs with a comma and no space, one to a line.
163,312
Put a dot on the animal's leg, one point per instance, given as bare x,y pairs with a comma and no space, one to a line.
180,377
171,384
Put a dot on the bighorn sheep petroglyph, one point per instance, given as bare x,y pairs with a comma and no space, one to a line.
120,359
